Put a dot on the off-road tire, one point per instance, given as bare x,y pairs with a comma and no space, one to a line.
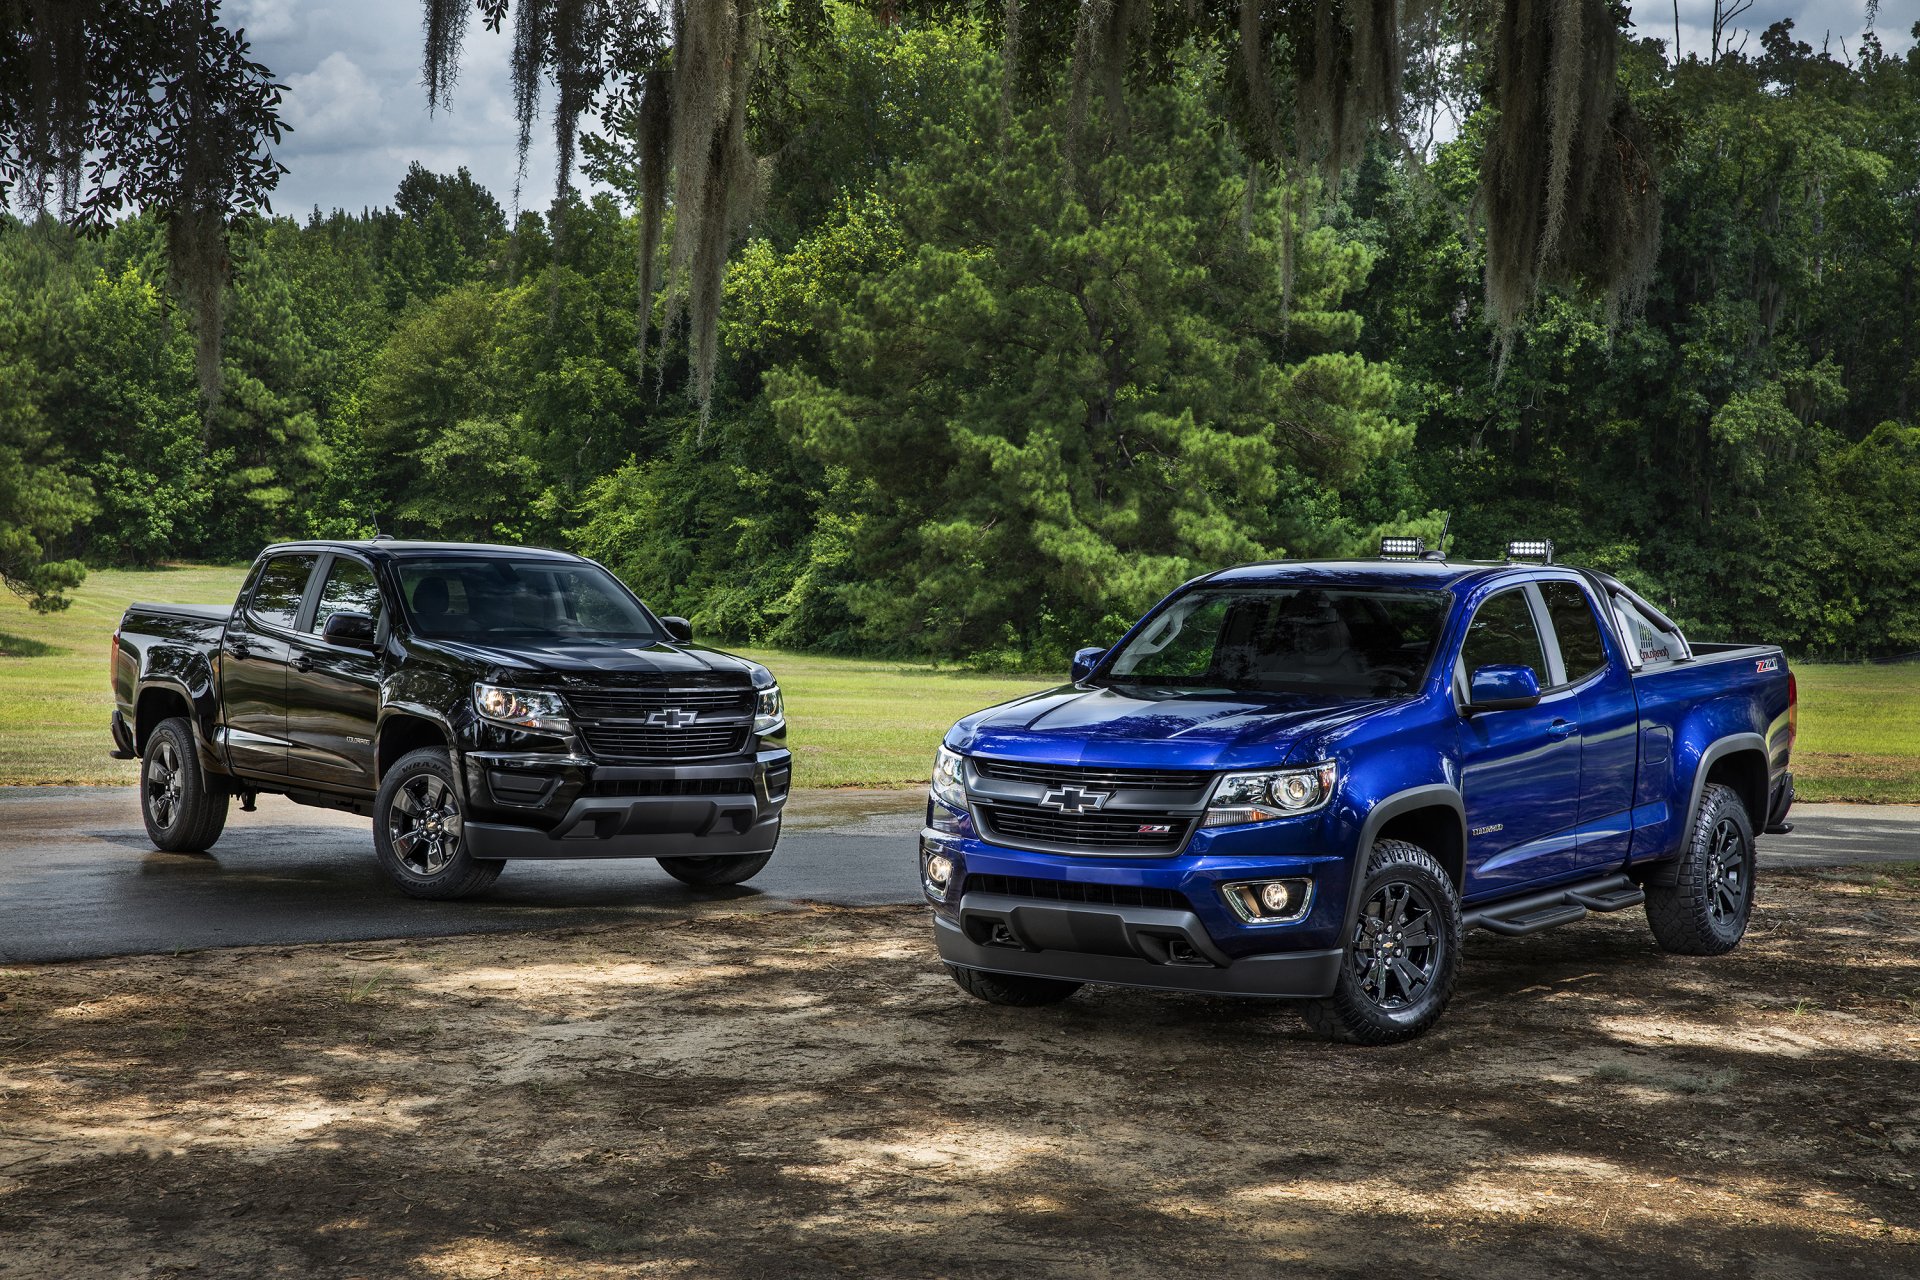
1704,912
1353,1013
449,871
174,787
1016,990
715,870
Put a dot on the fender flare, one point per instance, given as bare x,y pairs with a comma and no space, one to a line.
198,713
1428,796
1717,748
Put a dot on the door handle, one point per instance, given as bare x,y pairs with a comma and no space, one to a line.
1562,729
302,662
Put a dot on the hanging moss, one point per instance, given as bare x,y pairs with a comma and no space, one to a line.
1566,186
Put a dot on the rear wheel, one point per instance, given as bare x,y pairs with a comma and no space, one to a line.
419,830
1014,989
716,870
1704,911
1397,974
183,813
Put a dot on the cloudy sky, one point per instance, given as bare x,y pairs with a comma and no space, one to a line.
352,71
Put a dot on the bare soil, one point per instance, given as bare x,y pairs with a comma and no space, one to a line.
804,1093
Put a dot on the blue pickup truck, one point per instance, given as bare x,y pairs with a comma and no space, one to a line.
1309,779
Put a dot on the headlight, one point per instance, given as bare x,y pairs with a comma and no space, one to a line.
521,708
1262,797
769,711
949,779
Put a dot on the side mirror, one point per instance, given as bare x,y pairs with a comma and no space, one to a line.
349,630
678,630
1501,688
1084,661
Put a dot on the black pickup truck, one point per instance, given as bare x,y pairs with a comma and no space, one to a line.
481,703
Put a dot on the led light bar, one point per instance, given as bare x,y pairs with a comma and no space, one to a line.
1540,549
1402,548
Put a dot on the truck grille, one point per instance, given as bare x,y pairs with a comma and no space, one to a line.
1062,775
635,741
638,704
1106,895
1026,826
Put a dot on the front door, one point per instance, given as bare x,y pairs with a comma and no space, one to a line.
1520,769
335,690
253,666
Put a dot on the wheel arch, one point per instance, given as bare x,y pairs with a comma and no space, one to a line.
155,701
404,731
1739,761
1429,816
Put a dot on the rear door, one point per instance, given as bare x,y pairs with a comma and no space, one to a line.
1602,684
333,692
253,664
1520,769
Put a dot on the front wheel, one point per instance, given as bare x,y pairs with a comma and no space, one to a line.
182,812
419,830
1398,970
716,870
1704,911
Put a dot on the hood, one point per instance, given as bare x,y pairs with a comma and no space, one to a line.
602,663
1153,727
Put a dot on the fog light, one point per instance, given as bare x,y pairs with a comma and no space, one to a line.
1270,901
939,870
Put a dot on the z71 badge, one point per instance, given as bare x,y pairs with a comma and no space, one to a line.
1763,665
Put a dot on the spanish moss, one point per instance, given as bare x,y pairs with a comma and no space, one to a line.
1566,185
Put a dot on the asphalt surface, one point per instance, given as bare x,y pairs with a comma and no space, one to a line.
79,879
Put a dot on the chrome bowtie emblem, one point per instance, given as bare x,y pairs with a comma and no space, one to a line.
672,718
1075,799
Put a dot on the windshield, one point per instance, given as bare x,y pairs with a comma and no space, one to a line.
1350,642
467,597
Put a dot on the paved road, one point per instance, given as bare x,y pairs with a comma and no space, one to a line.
78,878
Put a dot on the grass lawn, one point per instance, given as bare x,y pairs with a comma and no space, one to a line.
857,722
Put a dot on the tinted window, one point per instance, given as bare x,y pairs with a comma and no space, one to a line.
1652,643
350,589
536,599
276,597
1348,642
1503,634
1578,633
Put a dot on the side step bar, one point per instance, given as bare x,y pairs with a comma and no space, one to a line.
1518,917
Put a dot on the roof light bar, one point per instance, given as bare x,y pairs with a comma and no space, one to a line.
1402,548
1540,549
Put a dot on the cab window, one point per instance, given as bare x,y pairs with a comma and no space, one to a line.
1646,638
1503,633
276,596
1581,652
350,588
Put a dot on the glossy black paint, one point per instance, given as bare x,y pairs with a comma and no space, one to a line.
317,709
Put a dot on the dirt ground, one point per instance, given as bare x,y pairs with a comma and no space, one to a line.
804,1093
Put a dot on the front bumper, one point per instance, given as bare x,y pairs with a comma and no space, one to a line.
1144,921
542,806
1123,946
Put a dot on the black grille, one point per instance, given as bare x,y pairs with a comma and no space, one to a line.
1106,895
1019,824
642,742
1070,775
674,787
638,704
